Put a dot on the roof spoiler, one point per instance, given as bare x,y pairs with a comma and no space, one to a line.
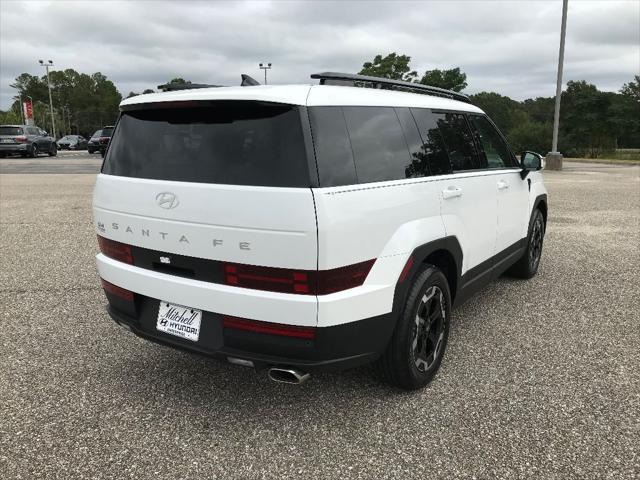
352,80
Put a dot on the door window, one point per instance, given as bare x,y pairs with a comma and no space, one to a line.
433,154
458,141
495,151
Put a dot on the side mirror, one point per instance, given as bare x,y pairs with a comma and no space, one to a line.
531,161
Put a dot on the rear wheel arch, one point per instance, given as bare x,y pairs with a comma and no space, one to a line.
445,254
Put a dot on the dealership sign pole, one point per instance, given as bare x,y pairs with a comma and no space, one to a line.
27,112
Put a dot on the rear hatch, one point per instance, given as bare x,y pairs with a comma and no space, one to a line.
223,181
11,135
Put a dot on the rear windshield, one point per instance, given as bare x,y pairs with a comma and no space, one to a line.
10,131
238,143
107,132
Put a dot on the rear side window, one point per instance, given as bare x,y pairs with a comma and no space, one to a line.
237,143
378,144
433,154
495,151
332,146
458,142
10,131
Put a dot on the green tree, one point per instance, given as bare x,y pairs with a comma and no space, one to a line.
632,89
532,136
505,112
82,103
178,81
624,114
451,79
585,126
393,66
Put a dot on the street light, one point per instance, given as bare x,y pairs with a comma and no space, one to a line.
53,122
265,68
554,158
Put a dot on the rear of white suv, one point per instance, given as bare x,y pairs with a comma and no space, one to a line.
307,228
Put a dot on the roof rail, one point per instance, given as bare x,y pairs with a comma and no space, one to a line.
352,80
172,87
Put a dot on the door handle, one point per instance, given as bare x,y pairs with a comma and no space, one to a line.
452,192
502,185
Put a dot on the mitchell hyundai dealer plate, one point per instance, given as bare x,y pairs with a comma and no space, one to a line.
180,321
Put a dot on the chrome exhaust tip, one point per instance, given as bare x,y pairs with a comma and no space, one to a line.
288,375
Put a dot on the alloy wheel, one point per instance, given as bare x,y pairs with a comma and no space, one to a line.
535,243
429,328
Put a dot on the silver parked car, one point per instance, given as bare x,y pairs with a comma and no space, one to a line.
72,142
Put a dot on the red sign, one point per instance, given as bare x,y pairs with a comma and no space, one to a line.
27,108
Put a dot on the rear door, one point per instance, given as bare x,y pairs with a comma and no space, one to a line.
469,209
219,180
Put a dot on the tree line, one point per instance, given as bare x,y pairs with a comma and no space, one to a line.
592,122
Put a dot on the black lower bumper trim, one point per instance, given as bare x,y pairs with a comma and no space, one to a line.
334,348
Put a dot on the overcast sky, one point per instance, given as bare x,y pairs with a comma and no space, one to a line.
510,47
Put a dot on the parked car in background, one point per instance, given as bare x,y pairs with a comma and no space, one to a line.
105,138
93,145
99,140
72,142
26,141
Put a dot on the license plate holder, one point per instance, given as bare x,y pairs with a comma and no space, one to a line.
179,321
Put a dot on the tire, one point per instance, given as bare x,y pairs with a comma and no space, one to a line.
527,266
53,150
34,150
415,351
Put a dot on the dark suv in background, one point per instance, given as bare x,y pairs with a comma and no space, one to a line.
99,140
26,140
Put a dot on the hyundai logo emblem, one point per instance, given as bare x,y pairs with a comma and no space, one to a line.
167,200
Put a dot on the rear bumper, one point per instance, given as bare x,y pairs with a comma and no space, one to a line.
333,348
14,148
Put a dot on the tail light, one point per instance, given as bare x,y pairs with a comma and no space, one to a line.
21,139
104,140
280,329
116,250
303,282
120,292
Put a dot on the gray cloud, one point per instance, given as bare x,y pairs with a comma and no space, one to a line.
504,46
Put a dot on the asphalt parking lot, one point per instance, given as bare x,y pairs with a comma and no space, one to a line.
541,378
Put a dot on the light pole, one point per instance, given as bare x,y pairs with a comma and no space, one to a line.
265,68
53,122
554,158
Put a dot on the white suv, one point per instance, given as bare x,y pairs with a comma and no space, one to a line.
302,228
